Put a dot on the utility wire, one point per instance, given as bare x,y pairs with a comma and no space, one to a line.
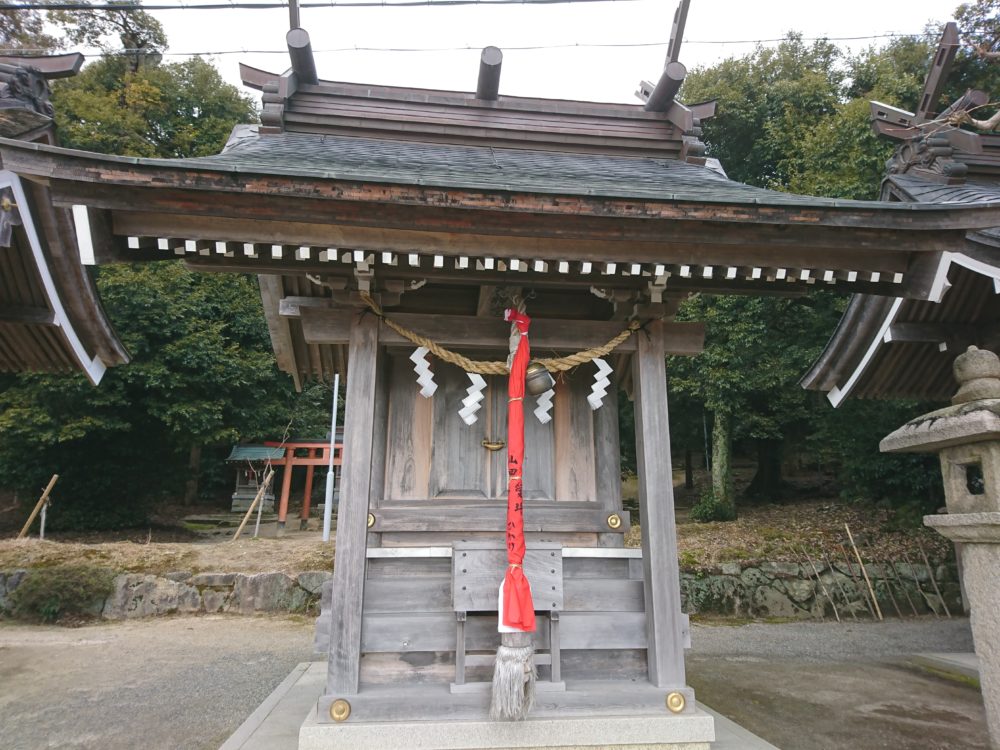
131,7
569,45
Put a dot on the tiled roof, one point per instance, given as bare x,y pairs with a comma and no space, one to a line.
255,453
490,168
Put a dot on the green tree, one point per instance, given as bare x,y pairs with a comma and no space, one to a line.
202,370
176,110
24,30
766,101
795,117
132,35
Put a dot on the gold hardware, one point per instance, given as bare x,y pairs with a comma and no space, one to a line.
614,521
676,702
497,445
341,709
371,520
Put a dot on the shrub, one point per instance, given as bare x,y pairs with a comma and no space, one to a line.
48,594
711,508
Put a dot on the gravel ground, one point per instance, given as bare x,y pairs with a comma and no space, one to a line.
831,641
830,686
170,684
190,682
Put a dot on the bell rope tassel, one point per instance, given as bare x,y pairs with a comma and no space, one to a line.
514,677
514,673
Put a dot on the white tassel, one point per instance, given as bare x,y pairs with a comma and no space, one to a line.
471,403
601,384
514,672
543,408
425,378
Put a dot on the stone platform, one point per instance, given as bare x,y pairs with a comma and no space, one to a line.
278,725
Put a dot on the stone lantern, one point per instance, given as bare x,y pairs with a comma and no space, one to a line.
966,436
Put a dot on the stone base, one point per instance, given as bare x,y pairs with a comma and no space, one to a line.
277,725
242,505
692,731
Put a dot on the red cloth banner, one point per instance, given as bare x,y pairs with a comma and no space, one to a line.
518,610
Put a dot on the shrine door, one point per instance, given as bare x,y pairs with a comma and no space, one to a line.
432,456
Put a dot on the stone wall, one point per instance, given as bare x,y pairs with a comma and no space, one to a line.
790,590
769,589
143,595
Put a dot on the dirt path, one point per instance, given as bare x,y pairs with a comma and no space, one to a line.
189,682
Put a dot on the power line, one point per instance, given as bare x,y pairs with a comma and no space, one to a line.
528,47
131,7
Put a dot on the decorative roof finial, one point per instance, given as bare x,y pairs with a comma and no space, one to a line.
978,374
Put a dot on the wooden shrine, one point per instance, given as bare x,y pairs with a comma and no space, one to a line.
250,462
370,210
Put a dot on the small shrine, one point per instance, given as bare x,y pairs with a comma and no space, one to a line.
444,250
250,462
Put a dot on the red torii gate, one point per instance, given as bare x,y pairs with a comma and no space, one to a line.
308,453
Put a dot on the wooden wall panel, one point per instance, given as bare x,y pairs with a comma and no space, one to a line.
573,425
410,421
459,463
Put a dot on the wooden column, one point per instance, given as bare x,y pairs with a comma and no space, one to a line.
661,574
307,494
286,489
352,512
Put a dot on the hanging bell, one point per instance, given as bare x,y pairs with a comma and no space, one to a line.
537,379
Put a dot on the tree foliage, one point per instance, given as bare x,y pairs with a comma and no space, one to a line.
796,118
175,110
24,30
202,372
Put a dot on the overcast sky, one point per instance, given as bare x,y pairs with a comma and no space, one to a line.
589,73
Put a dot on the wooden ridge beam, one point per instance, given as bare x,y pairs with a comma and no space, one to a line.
334,326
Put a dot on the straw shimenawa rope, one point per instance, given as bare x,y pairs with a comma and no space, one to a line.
481,367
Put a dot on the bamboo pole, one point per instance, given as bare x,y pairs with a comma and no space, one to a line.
902,586
857,582
864,572
260,494
885,579
38,506
930,572
916,580
836,580
822,585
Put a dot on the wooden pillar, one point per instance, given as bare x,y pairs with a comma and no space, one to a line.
661,574
307,495
352,513
286,488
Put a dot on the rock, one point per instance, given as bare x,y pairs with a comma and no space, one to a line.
9,581
313,580
753,578
780,569
266,592
213,601
722,594
216,580
731,569
799,590
177,575
137,595
326,597
769,602
906,572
